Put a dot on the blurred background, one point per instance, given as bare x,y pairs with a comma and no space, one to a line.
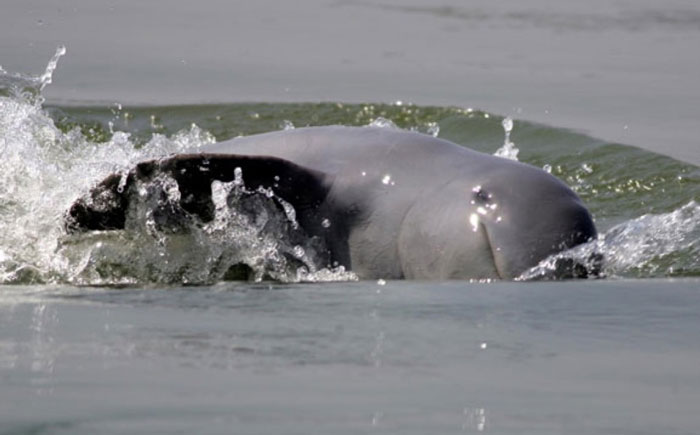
624,71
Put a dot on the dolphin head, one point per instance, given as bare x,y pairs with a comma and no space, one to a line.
526,215
502,218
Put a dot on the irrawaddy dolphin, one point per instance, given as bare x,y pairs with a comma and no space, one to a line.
386,203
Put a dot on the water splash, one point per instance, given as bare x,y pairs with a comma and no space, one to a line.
27,88
508,150
46,78
382,122
250,237
45,169
666,244
433,129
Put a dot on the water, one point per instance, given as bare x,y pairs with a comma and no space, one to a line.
147,355
618,357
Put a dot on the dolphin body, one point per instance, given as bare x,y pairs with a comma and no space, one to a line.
386,203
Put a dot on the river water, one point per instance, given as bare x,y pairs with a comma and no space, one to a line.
98,334
615,357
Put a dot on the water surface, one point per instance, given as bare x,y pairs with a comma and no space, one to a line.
615,357
600,94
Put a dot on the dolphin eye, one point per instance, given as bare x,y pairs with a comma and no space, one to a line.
479,195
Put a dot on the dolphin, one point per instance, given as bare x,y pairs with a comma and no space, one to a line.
386,203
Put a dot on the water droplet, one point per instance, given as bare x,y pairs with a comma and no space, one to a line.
507,124
433,129
508,150
238,177
298,251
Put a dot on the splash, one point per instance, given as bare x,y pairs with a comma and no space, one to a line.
382,122
27,88
508,150
251,237
46,78
431,128
45,169
666,244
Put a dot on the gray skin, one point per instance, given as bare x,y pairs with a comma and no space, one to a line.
407,205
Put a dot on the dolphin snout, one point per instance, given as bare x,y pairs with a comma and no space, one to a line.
520,244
